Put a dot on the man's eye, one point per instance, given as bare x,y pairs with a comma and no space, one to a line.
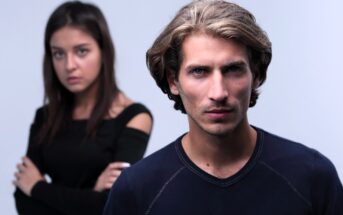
198,71
234,69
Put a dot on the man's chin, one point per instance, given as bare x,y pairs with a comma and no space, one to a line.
220,132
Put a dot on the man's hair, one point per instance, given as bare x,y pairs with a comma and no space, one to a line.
219,19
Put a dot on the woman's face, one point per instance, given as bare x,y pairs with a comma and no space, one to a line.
76,58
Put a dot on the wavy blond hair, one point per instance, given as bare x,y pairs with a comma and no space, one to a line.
217,18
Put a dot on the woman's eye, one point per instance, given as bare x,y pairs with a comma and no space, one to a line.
82,52
57,54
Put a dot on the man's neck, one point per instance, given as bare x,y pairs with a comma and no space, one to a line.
221,156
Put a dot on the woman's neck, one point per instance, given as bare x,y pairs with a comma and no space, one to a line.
83,105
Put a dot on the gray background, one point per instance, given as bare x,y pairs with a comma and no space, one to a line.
301,99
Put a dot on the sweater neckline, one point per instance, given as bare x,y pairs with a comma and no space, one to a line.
218,181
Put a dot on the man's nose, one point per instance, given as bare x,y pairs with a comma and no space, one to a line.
218,90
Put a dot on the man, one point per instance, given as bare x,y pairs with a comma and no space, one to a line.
210,60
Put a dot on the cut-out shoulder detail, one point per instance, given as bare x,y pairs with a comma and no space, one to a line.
141,122
119,104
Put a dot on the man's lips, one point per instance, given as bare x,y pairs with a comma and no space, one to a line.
225,110
218,114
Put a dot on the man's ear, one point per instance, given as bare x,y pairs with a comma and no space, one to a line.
172,82
256,83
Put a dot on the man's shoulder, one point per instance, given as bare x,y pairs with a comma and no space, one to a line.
283,146
145,179
162,163
289,154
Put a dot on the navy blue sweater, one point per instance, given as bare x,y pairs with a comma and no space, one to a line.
281,177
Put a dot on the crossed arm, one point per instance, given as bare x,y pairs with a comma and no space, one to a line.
31,182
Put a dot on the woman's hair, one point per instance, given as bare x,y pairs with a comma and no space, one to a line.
58,100
219,19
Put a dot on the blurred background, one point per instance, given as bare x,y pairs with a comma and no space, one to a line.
301,99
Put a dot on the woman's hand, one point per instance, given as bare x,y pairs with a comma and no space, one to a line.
109,175
27,176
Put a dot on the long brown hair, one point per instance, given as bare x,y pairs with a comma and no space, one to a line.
58,100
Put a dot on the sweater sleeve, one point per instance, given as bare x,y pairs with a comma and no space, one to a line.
131,145
24,204
69,200
327,191
34,150
121,199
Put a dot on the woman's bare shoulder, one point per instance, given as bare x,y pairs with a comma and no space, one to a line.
142,121
119,103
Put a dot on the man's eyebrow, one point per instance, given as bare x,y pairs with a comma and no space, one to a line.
239,63
200,66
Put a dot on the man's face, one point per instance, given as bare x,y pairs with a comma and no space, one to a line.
214,83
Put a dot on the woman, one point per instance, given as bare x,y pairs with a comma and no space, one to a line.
88,130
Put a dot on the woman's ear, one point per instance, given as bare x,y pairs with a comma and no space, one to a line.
173,83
